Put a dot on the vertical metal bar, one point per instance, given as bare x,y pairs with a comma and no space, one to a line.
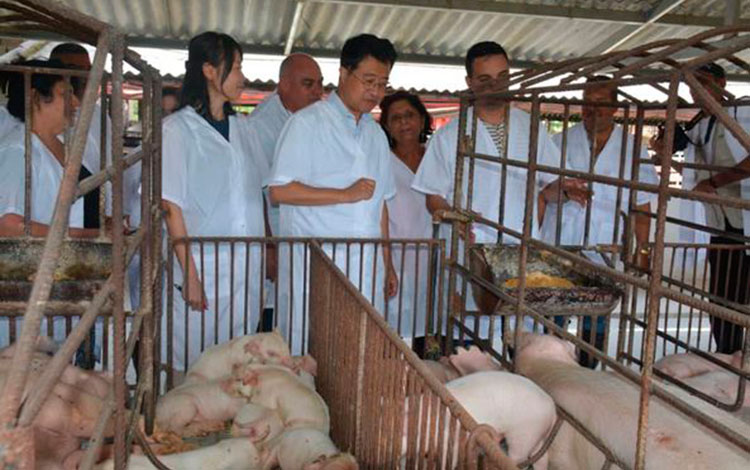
593,157
528,216
155,213
28,117
503,175
150,92
655,282
621,173
103,156
118,266
563,164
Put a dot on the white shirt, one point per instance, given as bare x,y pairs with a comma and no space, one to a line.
266,123
604,199
408,216
436,173
696,211
46,176
323,146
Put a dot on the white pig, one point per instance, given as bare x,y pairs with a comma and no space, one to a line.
257,423
472,360
608,406
307,449
194,409
682,366
218,361
719,384
229,454
281,390
493,398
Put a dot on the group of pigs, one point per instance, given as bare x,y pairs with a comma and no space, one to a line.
521,408
277,418
267,400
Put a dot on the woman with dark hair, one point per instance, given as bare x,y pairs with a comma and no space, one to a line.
49,121
210,188
407,124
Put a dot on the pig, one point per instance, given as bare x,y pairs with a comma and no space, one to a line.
493,398
198,408
720,385
472,360
229,454
281,390
257,423
442,369
682,366
608,406
217,361
307,449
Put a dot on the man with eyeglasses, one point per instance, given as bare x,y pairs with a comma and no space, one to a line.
501,128
331,176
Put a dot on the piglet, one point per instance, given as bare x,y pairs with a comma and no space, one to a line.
682,366
281,390
217,361
199,408
720,385
307,449
257,423
229,454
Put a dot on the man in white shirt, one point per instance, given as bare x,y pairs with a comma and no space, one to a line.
708,142
599,129
332,175
499,126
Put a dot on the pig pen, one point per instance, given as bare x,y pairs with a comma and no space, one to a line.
75,285
366,372
663,310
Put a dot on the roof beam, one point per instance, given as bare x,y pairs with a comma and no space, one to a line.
627,32
541,10
298,7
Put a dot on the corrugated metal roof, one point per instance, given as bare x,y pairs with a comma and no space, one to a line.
437,31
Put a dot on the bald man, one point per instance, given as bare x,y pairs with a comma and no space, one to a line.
300,85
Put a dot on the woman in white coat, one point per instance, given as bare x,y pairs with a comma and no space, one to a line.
210,188
408,124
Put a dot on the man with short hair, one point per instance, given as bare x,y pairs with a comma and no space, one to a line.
331,176
597,130
501,128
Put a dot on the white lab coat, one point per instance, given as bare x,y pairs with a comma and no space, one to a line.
604,199
436,176
218,188
46,176
696,211
265,124
322,146
408,218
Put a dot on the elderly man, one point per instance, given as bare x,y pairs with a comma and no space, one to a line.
500,128
599,130
300,85
332,175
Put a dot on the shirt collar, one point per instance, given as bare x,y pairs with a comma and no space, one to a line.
335,100
276,100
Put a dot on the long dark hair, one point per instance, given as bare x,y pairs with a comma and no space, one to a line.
218,50
11,84
412,99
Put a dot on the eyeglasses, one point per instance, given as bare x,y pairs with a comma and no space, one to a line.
371,83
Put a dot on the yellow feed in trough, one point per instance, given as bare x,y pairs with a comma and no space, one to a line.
539,279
